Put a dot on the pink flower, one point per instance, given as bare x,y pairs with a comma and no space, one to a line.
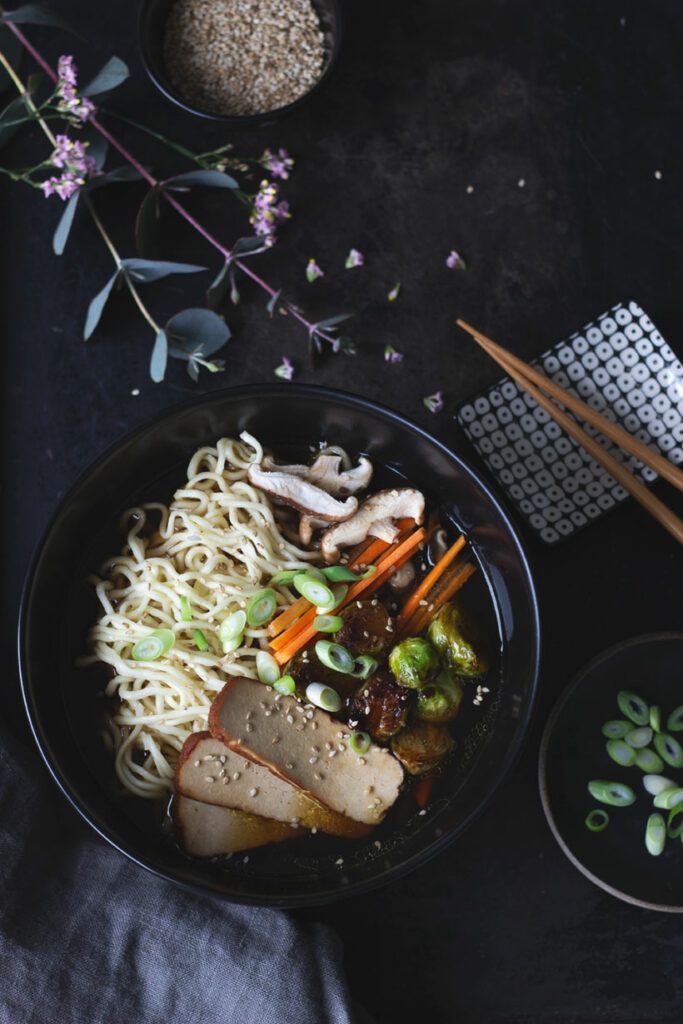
278,164
454,261
63,187
313,272
354,259
391,355
69,101
286,369
267,213
73,155
66,70
433,402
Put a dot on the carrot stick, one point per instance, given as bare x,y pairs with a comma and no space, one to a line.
298,637
428,582
422,790
448,586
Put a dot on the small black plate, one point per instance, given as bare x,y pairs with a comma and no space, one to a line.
573,752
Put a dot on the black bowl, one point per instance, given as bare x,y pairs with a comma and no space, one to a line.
151,27
58,607
573,751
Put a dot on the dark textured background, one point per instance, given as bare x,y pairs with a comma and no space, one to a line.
583,101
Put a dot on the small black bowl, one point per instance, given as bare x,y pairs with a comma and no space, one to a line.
151,27
58,608
573,752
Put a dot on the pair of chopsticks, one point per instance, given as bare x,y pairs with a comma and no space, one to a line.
541,387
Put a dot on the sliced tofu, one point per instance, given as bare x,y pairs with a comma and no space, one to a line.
306,747
210,771
206,830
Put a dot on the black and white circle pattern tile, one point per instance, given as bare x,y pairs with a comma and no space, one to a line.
622,367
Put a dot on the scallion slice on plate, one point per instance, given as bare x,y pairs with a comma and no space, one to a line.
341,574
314,590
669,798
655,834
655,784
232,626
185,609
201,643
597,820
335,656
633,707
152,646
621,752
261,608
327,623
360,743
267,669
616,794
648,761
365,666
674,722
674,823
639,737
616,729
285,685
284,577
669,749
323,697
655,718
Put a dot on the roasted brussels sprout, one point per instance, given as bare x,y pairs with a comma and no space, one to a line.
414,662
365,628
420,747
452,634
380,706
307,668
440,700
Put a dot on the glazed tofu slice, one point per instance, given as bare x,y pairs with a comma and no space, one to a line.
306,747
211,772
206,830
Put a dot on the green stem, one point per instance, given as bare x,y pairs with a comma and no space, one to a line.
26,96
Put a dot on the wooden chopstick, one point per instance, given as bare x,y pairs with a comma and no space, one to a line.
664,515
613,431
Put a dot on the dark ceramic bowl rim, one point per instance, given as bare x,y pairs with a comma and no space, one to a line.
437,845
565,697
239,120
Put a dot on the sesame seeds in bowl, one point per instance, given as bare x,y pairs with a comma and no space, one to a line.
239,61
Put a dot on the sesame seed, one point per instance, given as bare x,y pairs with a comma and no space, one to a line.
250,727
222,759
361,760
267,714
313,760
658,175
275,739
314,725
317,776
245,860
248,715
289,766
315,750
290,719
209,778
221,773
207,757
377,844
341,748
253,792
299,728
469,190
339,860
236,776
423,603
328,745
197,764
521,183
309,715
294,821
225,781
314,830
421,813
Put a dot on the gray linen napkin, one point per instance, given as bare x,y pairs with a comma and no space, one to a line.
86,937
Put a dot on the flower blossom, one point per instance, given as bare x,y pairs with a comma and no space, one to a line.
454,261
354,259
285,371
63,187
391,355
267,212
433,402
279,164
69,101
313,272
394,293
72,159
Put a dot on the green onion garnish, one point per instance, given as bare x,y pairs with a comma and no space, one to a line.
232,626
231,645
669,749
365,666
655,784
154,645
267,669
620,752
285,577
360,743
655,719
616,729
617,794
185,610
597,820
639,737
315,591
327,623
334,656
200,640
341,574
648,761
674,827
669,798
655,834
674,722
634,707
285,685
323,697
261,608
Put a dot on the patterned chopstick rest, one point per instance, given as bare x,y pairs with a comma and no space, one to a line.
619,365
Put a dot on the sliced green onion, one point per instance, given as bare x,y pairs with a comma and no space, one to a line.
621,753
656,719
639,737
360,742
231,645
284,577
365,666
669,749
316,573
674,828
655,784
154,645
323,697
616,729
633,706
674,722
185,610
339,593
261,608
200,640
617,794
648,761
342,574
597,820
335,656
669,798
315,591
267,669
232,626
655,834
285,685
327,623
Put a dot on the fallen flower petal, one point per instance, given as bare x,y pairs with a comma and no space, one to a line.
394,293
285,371
313,272
454,261
433,402
391,355
354,259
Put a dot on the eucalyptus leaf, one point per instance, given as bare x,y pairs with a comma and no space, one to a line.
143,271
273,301
96,307
114,72
218,288
332,321
61,235
193,369
12,49
157,364
196,332
211,179
248,246
36,14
